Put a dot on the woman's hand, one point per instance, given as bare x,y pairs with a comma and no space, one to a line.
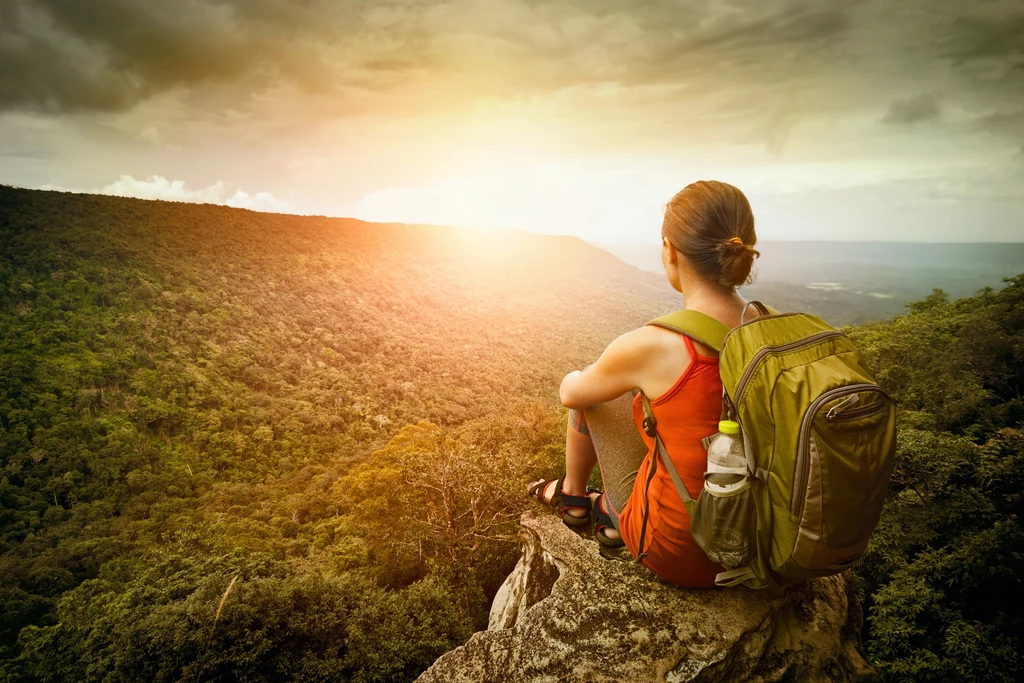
618,370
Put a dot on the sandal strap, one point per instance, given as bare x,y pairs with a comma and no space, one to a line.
601,518
575,501
536,490
559,499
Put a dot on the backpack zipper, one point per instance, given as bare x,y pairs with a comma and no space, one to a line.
752,365
796,505
854,414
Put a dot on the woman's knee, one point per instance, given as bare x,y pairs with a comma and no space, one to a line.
578,422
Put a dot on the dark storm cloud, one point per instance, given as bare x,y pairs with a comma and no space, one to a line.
998,40
109,55
912,110
38,70
36,74
986,49
164,43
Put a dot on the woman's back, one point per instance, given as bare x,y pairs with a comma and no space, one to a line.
685,391
669,355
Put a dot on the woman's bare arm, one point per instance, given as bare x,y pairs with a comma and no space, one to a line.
618,370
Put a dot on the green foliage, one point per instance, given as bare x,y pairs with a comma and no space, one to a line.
344,416
941,579
192,382
173,621
450,500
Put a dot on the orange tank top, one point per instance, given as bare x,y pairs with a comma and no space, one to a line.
686,413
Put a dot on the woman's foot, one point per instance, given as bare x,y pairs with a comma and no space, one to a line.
574,510
604,529
545,493
548,493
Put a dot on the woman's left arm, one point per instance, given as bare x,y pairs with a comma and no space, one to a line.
617,371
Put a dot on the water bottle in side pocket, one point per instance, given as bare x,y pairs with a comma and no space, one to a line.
724,521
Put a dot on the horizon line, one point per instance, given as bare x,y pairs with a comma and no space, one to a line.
599,244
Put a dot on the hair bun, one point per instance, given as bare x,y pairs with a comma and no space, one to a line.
735,245
735,261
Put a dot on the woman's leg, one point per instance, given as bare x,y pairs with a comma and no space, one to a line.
604,435
619,451
580,459
580,456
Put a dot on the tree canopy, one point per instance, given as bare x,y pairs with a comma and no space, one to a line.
244,446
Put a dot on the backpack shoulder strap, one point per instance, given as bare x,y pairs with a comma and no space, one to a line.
702,327
707,331
695,325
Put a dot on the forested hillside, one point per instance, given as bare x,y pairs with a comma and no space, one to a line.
245,446
942,579
184,389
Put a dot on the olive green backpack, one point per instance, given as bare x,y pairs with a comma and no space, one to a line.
819,436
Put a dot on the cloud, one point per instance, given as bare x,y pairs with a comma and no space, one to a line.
152,134
1017,161
1007,122
109,55
158,187
913,110
992,40
775,128
395,93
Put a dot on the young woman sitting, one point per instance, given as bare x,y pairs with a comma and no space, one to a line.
707,251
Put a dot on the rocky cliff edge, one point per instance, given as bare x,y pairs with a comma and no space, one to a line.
568,614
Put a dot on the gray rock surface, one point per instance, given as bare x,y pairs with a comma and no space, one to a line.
568,614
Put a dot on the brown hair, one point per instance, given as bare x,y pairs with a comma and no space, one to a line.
711,224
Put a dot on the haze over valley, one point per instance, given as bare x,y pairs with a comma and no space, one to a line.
856,282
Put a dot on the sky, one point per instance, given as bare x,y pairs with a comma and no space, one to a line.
861,120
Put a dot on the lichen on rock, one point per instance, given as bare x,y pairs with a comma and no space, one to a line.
568,614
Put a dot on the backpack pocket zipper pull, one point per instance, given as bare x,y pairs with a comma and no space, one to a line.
841,406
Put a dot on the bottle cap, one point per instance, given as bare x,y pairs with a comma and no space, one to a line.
729,427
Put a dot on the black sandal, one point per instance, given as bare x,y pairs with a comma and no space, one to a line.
602,521
561,502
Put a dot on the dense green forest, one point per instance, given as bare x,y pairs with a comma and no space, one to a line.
194,393
245,446
942,578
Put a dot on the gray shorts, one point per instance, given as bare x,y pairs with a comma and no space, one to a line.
619,447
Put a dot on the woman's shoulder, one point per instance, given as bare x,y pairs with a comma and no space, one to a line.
653,337
648,338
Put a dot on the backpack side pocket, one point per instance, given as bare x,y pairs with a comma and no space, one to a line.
725,526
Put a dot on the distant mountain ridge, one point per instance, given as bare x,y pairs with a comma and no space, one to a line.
858,282
362,289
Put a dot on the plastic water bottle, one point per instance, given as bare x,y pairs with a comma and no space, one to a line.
727,464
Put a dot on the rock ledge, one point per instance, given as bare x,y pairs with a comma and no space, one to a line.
568,614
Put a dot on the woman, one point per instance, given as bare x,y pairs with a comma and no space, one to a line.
707,251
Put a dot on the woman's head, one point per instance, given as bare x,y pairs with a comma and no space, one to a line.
710,223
